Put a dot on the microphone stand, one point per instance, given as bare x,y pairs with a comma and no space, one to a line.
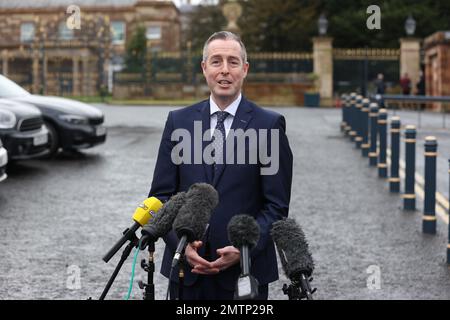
134,242
299,289
149,287
179,263
181,278
246,285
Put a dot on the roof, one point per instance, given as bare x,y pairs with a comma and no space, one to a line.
25,4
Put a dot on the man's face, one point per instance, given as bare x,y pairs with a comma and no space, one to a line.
224,70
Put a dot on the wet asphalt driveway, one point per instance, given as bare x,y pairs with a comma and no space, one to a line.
59,217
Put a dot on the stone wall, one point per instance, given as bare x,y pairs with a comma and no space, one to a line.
276,94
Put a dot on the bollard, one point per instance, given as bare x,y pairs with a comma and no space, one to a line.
365,128
409,197
352,112
429,211
358,121
382,131
344,111
373,116
448,244
379,100
394,180
347,127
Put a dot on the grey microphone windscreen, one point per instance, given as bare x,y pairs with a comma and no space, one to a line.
161,224
243,230
201,199
292,248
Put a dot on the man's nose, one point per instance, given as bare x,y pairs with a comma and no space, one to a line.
225,68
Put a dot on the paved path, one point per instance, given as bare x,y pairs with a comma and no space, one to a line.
69,211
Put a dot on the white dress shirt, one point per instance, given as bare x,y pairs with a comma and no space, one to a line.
231,109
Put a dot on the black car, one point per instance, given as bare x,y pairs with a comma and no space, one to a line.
3,162
22,131
71,124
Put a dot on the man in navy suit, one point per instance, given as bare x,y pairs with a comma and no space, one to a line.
257,188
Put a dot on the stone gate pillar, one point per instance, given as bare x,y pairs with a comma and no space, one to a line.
323,68
410,60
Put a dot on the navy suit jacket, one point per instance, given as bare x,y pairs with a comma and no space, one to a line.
241,188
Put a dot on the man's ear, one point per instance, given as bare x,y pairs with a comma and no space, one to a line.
246,68
203,64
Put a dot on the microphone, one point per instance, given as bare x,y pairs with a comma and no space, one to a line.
141,216
243,233
295,257
191,221
161,224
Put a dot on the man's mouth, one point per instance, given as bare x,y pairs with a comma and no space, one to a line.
224,83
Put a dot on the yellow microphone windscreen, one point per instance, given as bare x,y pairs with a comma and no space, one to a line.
146,210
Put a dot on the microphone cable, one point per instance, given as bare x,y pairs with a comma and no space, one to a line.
168,286
133,268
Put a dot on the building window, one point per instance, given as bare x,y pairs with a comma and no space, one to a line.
155,49
27,32
118,32
64,33
153,33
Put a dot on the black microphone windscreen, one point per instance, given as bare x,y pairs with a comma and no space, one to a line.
292,248
201,199
161,224
243,230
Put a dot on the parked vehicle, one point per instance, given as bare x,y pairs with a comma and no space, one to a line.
22,131
3,162
71,124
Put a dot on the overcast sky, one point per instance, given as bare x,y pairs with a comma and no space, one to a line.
178,2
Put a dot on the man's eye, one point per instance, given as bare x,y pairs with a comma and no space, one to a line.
215,62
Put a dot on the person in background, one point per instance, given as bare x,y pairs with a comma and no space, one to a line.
405,83
420,88
379,84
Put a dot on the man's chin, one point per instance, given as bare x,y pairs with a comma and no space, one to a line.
225,94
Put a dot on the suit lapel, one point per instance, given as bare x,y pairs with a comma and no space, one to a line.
204,111
240,121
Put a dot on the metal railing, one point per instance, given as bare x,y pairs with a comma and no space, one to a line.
417,103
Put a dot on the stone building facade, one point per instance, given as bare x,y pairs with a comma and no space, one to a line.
51,47
437,65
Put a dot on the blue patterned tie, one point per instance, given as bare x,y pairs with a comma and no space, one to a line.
219,143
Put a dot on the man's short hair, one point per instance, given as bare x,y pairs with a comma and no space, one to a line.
225,35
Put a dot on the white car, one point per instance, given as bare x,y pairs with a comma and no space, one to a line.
3,162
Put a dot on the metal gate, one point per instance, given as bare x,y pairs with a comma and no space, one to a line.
355,70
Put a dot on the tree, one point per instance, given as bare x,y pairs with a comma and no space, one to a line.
348,21
286,25
204,21
136,49
289,25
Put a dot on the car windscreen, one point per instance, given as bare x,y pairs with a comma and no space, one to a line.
9,89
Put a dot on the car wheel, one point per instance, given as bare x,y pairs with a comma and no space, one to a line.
53,139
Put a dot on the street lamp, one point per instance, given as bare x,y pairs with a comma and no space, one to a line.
322,24
410,26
